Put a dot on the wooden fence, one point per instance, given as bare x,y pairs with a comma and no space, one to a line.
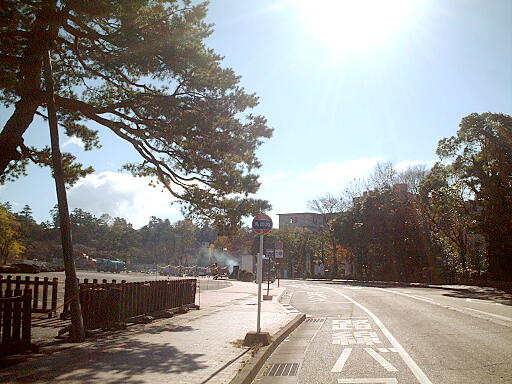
65,308
103,304
44,298
15,320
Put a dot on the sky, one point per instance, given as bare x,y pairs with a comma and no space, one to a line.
344,84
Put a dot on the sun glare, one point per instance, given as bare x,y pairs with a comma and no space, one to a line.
354,24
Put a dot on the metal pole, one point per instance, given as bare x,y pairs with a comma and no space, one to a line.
278,273
77,332
268,277
259,277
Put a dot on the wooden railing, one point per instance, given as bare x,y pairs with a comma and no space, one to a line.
15,320
103,304
44,298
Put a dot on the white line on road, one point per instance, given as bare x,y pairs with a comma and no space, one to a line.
491,314
385,380
417,372
482,302
382,361
461,310
423,297
340,363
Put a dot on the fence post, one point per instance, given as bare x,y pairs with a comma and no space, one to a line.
26,316
55,285
27,282
35,297
7,318
16,315
45,294
17,283
8,282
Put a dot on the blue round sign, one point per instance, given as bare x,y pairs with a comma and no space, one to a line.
262,224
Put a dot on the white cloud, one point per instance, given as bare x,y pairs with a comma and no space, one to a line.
270,179
73,140
336,174
122,195
290,191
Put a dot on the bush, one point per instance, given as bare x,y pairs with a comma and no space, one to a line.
245,276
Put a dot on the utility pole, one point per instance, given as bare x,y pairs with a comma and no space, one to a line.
77,332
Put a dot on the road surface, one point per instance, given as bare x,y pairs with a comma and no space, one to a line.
384,335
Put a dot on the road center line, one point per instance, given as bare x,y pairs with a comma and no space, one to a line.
340,363
415,369
490,314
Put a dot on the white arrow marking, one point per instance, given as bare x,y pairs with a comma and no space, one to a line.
385,380
340,363
382,361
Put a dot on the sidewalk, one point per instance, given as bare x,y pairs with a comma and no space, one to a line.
198,347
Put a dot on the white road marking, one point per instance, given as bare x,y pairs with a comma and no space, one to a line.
461,310
382,361
385,380
392,349
340,363
384,350
415,369
423,297
491,314
482,302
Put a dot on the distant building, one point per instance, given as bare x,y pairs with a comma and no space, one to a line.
308,220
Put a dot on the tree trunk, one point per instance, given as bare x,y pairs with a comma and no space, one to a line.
77,332
12,134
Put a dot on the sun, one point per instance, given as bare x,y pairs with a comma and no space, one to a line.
354,24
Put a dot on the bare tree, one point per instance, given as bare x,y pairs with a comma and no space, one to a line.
384,175
328,206
413,176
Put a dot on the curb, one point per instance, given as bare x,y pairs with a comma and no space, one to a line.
251,369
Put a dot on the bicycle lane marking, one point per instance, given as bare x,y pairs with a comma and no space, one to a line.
411,364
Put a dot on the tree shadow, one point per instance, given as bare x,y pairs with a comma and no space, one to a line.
475,293
168,328
484,294
107,362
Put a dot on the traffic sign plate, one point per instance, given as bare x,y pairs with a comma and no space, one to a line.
262,224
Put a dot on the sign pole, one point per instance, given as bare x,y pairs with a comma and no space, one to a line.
261,224
260,279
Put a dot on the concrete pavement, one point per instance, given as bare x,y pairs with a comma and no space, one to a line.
201,346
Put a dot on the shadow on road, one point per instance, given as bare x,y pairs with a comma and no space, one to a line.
488,294
474,293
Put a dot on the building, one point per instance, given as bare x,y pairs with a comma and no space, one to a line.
308,220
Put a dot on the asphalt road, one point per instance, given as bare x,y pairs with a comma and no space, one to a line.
370,334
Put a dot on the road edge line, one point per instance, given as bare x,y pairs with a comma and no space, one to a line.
415,369
253,366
